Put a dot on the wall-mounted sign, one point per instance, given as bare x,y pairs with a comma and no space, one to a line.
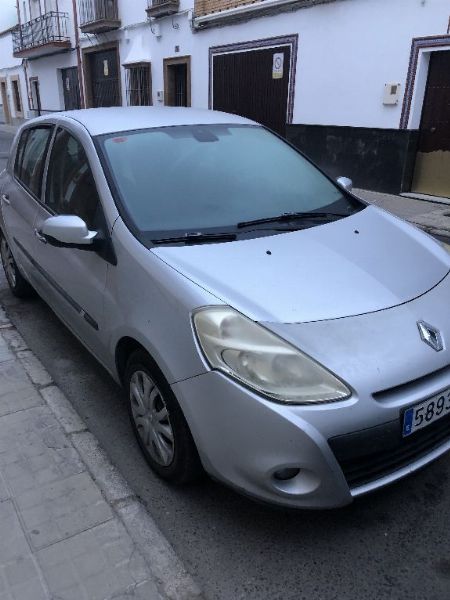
277,65
67,84
105,68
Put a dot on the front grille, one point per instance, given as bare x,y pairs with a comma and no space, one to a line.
365,456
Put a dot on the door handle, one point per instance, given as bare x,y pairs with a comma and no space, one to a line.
5,199
40,237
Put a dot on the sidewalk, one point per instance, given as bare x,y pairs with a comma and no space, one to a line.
432,217
70,527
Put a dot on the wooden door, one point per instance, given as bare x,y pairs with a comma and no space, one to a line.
254,84
432,170
104,74
177,81
71,87
5,102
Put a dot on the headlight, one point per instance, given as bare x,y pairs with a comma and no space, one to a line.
261,360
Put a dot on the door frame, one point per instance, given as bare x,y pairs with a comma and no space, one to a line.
87,72
286,40
177,60
19,113
38,108
416,79
5,100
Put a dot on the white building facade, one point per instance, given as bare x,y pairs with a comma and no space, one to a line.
361,86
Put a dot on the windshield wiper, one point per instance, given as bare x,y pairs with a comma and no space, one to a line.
197,238
291,216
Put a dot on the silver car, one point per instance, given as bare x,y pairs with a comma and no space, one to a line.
268,327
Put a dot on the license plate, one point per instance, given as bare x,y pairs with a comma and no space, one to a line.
427,412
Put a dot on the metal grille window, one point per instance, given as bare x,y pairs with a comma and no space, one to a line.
139,84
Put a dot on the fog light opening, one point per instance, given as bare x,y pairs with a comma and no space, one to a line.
286,474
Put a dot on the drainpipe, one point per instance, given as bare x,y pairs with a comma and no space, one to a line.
20,23
25,70
77,45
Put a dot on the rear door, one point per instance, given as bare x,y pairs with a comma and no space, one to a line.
74,280
21,193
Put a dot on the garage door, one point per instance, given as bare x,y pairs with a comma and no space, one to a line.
254,84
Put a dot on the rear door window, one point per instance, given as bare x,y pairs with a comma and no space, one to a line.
30,159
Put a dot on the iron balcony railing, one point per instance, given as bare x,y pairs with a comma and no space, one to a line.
92,11
46,29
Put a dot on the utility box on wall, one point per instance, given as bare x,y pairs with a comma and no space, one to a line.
391,93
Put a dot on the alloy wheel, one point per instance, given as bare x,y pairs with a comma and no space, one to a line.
150,414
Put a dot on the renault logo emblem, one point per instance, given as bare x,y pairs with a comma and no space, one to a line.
430,335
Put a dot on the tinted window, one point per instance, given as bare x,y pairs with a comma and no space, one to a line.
31,158
19,155
70,184
193,178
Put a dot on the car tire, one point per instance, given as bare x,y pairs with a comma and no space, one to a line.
18,285
158,422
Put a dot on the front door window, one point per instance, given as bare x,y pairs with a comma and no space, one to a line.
71,187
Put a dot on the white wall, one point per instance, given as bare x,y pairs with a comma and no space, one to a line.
9,67
348,50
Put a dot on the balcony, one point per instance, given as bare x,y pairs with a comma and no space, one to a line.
44,35
162,8
209,13
98,16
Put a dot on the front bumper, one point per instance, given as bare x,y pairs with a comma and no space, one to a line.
244,439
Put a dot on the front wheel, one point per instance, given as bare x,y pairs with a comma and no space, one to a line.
158,422
18,284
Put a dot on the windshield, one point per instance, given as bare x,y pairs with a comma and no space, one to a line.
209,178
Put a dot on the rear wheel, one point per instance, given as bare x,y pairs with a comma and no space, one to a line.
158,422
18,284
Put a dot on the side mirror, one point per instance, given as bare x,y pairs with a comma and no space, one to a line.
66,230
346,183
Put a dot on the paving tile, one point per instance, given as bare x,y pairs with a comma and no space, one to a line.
13,542
4,494
55,511
5,352
34,450
101,563
16,390
21,580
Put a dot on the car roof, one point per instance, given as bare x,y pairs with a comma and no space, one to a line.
99,121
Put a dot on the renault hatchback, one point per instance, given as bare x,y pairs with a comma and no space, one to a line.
268,327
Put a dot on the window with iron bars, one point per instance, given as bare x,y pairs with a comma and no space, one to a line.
139,84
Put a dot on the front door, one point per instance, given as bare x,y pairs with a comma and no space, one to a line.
5,102
104,78
35,96
74,280
71,87
254,84
177,81
432,171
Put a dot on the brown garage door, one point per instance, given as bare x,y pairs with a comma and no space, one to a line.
253,84
432,172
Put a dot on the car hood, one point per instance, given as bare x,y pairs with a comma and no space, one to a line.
364,263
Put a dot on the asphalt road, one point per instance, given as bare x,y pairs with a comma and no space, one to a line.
393,544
